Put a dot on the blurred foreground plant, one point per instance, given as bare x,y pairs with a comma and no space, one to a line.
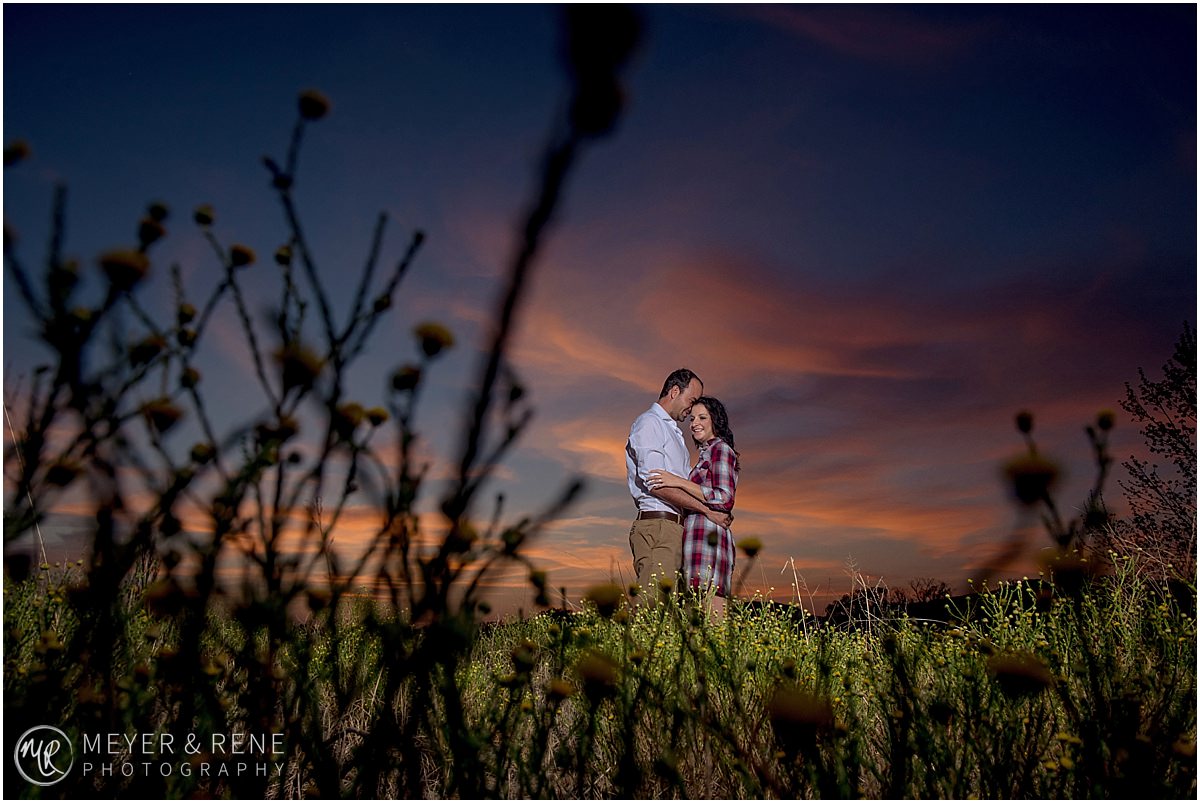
1119,725
148,640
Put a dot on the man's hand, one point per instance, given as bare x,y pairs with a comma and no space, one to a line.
719,518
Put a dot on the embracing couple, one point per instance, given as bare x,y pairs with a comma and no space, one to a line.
684,512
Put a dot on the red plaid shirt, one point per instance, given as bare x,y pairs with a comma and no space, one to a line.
708,549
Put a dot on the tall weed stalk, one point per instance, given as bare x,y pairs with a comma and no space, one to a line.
143,637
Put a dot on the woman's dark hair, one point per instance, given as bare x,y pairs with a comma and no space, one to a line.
720,421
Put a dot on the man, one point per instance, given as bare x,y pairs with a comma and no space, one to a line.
656,442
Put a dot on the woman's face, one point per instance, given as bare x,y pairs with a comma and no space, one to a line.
702,429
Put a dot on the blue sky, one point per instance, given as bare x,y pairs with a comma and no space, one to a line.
876,232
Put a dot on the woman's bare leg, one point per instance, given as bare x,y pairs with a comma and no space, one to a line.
717,611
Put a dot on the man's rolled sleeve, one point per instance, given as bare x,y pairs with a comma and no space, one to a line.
649,448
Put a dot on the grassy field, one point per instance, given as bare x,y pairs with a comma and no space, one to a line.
1037,691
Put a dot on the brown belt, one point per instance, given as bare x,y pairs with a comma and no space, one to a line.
660,514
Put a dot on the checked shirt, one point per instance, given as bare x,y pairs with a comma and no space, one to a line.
707,548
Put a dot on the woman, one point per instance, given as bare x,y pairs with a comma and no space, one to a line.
708,548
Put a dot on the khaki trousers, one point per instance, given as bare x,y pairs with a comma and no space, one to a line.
657,546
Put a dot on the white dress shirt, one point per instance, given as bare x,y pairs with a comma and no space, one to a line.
655,441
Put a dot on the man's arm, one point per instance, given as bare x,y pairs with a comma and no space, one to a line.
684,501
679,498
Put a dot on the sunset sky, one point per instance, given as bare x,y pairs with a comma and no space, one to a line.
876,233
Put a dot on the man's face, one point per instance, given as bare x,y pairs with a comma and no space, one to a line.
679,404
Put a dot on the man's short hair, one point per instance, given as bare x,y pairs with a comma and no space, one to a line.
679,378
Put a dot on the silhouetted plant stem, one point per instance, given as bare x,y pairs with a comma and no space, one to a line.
393,283
556,166
360,295
310,271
